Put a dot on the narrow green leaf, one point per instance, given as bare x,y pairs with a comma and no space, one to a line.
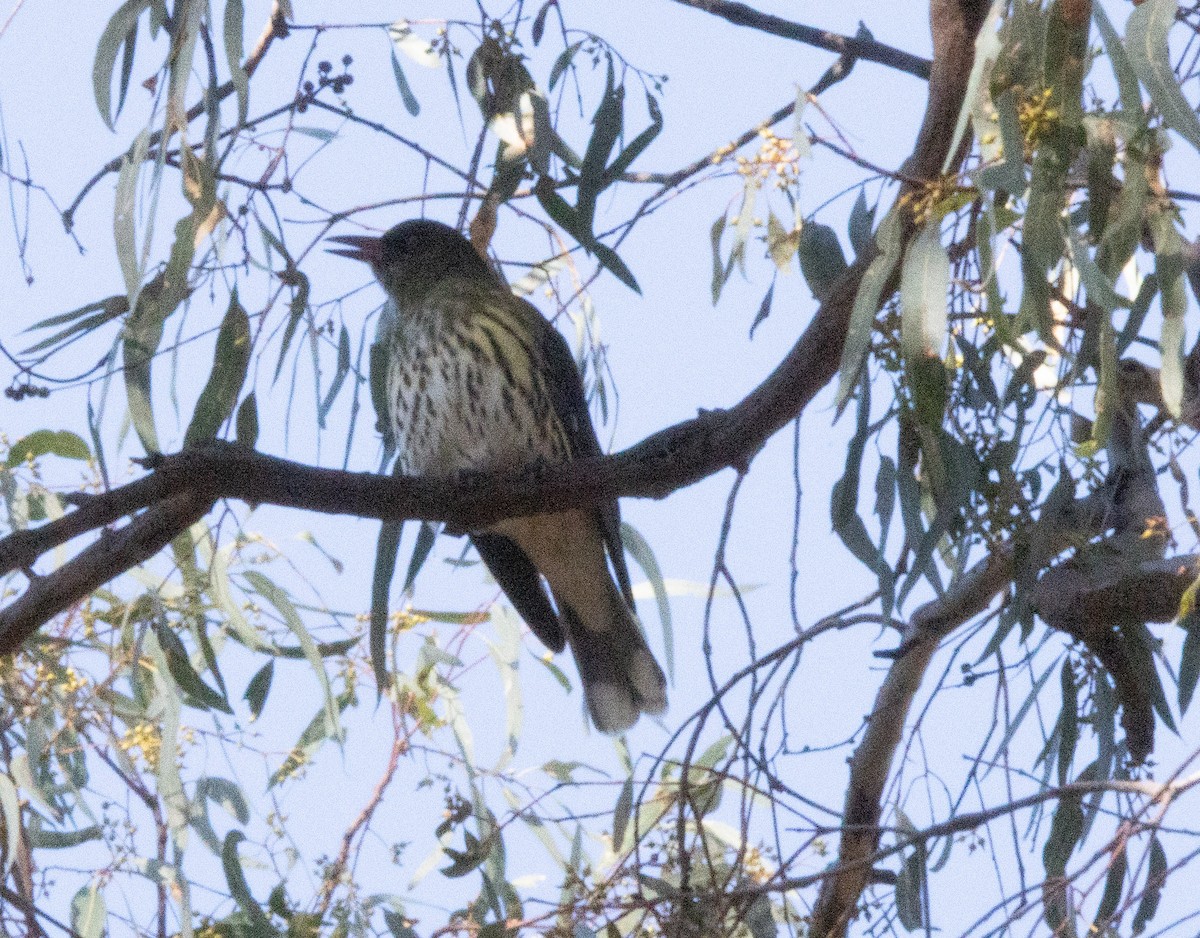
324,134
186,16
1168,261
924,285
239,890
1127,218
1127,81
62,443
10,807
41,838
1042,239
608,257
764,308
311,739
639,548
924,281
743,225
1156,877
860,224
639,143
866,304
607,126
88,912
297,309
258,688
561,212
539,21
276,596
1114,885
506,653
909,906
988,48
116,34
141,338
562,63
78,329
224,793
1146,40
721,269
124,205
179,664
555,671
339,377
113,305
386,551
231,360
1065,832
885,495
1068,721
425,540
621,814
821,258
1189,657
406,94
246,423
324,649
1100,290
234,26
1106,392
1023,711
222,594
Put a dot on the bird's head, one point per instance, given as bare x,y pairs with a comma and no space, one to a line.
414,255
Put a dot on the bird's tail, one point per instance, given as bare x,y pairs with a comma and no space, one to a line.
621,679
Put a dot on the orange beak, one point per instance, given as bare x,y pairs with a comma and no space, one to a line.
359,247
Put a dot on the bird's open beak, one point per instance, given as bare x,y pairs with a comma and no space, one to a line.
360,248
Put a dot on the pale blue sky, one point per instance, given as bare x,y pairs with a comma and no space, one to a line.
670,352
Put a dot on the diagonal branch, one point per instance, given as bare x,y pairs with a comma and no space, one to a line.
108,557
955,24
858,47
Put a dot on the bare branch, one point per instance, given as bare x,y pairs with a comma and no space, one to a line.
1163,794
861,48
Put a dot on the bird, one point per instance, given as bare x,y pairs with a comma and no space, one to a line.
475,378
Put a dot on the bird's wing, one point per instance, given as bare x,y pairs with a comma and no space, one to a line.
570,406
382,349
519,579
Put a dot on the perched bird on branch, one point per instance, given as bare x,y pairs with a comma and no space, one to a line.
477,379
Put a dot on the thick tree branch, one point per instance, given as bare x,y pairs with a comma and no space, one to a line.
111,555
1085,601
955,24
857,46
662,463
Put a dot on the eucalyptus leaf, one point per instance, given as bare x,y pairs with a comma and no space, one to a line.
119,31
88,912
231,361
1149,54
239,889
40,443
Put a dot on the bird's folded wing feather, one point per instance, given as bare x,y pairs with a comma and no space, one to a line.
570,404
